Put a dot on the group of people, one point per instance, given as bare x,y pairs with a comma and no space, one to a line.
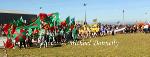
103,30
44,38
137,28
97,30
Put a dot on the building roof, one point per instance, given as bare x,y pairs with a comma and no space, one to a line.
15,12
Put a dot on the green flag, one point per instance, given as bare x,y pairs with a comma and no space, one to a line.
9,33
68,20
29,31
19,22
14,36
73,21
49,19
35,24
67,29
74,31
21,19
56,16
75,34
17,32
54,19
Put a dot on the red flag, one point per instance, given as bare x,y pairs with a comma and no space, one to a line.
13,29
22,35
6,27
8,43
42,16
22,30
17,39
72,26
52,28
63,23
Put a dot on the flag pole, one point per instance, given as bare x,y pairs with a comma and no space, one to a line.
146,17
123,17
85,22
54,28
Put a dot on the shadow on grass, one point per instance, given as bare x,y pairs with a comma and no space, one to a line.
57,45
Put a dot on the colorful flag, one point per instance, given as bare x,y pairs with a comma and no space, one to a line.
29,31
43,16
13,29
73,21
8,43
6,27
68,20
35,24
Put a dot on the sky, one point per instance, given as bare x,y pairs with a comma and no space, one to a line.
103,10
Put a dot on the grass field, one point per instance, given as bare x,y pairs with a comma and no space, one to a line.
128,45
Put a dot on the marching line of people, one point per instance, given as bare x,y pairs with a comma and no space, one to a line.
47,38
103,30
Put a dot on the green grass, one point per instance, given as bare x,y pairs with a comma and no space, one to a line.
130,45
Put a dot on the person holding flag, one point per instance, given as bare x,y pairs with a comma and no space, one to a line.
22,38
75,34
